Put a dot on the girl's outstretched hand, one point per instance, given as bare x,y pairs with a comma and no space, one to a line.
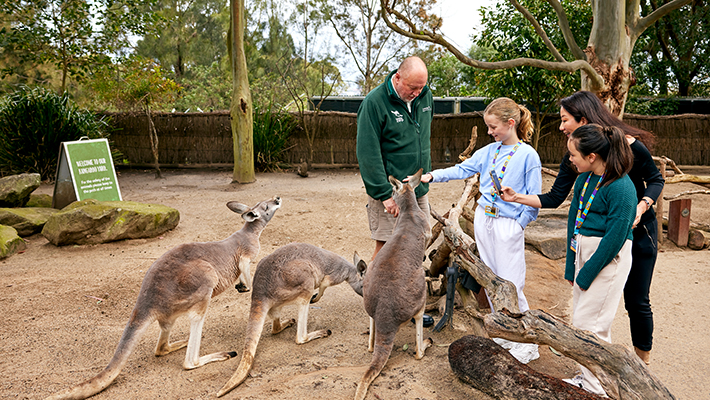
426,178
507,193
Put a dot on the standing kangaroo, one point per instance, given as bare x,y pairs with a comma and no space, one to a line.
287,276
183,281
394,289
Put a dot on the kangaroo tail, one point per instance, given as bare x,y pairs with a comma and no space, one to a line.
379,359
257,318
131,334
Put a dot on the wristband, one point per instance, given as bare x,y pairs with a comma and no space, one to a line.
648,203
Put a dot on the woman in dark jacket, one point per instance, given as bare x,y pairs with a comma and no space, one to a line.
583,108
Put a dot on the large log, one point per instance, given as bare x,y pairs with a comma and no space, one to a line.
485,365
622,374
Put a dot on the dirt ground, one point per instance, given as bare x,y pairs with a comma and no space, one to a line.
56,332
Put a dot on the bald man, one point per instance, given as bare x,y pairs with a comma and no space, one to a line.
393,138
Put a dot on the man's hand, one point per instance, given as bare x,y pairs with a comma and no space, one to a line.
391,207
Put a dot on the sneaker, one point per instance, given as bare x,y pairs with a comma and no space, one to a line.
576,381
523,352
427,320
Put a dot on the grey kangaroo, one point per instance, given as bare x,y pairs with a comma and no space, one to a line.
289,275
183,281
394,289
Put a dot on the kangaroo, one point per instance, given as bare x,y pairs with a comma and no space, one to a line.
287,276
182,281
394,289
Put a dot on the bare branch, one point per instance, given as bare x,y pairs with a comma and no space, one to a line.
596,80
538,29
577,52
642,24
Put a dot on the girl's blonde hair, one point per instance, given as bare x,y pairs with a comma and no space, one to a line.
504,109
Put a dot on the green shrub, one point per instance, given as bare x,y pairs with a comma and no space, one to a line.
33,123
652,106
271,132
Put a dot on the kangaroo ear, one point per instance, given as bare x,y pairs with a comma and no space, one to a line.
396,185
416,179
251,216
360,264
237,207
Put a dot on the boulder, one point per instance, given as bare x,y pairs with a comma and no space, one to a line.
26,220
15,190
548,234
10,242
39,200
91,222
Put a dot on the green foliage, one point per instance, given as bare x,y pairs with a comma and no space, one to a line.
652,106
133,84
508,35
74,35
447,76
675,52
33,123
271,132
191,33
208,88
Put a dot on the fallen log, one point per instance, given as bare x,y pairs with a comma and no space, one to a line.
698,240
700,180
622,374
488,367
686,193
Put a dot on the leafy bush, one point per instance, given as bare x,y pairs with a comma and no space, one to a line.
271,132
33,123
651,106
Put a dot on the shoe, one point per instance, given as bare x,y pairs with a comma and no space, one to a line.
427,320
523,352
645,356
576,381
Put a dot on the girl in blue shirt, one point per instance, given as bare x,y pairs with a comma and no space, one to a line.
499,225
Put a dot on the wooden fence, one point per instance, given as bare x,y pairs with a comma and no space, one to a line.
206,138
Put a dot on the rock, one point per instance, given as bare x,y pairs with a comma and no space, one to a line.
26,220
91,221
548,234
39,200
15,190
10,242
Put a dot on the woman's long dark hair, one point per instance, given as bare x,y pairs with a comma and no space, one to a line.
586,104
610,144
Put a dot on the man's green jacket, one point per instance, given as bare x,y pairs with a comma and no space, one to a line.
391,140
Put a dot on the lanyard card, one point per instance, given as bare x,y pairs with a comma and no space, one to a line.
496,182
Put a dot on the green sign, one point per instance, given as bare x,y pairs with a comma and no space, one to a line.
87,166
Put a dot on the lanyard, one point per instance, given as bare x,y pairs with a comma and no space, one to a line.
582,215
505,164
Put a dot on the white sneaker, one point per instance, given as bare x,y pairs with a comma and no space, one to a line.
576,381
523,352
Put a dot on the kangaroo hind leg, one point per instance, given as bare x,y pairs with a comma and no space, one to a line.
164,346
192,357
303,336
276,325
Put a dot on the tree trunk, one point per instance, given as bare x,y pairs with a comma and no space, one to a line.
241,108
153,134
609,51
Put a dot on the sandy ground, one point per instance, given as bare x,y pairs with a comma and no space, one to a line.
56,333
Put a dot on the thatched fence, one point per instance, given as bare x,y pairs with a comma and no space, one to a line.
201,139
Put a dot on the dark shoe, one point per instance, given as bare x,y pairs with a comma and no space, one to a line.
427,320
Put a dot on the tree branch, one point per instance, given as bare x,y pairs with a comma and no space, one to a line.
577,52
538,29
597,81
643,23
